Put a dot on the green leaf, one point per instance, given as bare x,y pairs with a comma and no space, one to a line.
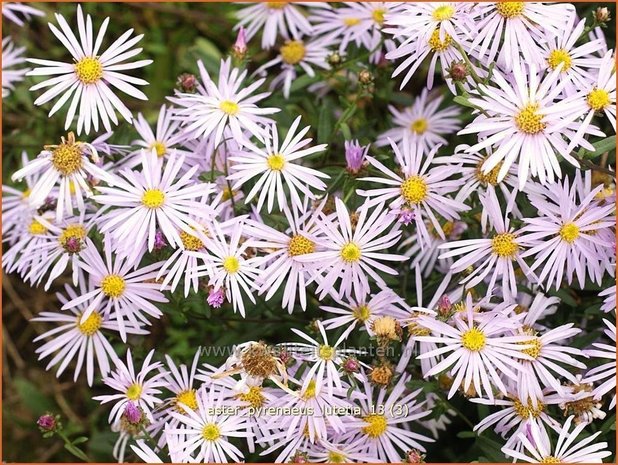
605,145
345,130
325,122
79,440
76,452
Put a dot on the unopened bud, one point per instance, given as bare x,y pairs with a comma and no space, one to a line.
159,241
240,46
414,456
334,59
602,15
458,71
365,77
351,365
187,82
47,423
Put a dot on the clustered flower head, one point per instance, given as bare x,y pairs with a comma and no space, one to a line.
451,227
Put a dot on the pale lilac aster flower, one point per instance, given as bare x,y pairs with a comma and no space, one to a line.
137,387
565,238
12,11
605,372
341,452
89,77
423,122
539,448
277,164
223,110
609,302
11,57
420,187
355,156
216,298
521,121
350,256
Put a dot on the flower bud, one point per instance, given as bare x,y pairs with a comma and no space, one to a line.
240,46
216,297
47,423
159,241
458,71
334,59
355,156
365,77
351,365
602,15
414,456
187,82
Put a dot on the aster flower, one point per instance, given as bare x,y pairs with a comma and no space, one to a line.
423,122
524,25
222,110
479,351
605,372
227,265
276,19
563,239
521,121
274,164
295,54
150,199
112,285
76,338
12,11
384,425
343,452
206,431
609,303
350,255
490,256
281,263
140,387
539,448
420,189
11,57
88,80
69,164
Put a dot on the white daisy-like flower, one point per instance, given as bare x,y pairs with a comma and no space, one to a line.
12,11
540,449
136,387
423,122
353,255
479,351
112,285
153,198
524,26
206,430
522,121
418,189
88,80
11,56
223,110
605,372
227,265
76,338
69,164
275,164
281,263
275,19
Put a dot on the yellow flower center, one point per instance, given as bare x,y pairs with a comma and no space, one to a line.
159,147
510,9
437,45
351,252
187,398
443,12
490,178
36,228
153,198
113,285
275,162
349,22
362,313
253,396
526,411
67,158
190,242
231,264
326,352
415,330
533,351
134,391
378,15
598,99
227,194
211,432
229,108
26,193
91,325
293,51
89,70
414,190
419,126
300,245
74,231
559,56
529,121
376,425
276,5
336,457
473,339
550,459
569,232
504,245
310,391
